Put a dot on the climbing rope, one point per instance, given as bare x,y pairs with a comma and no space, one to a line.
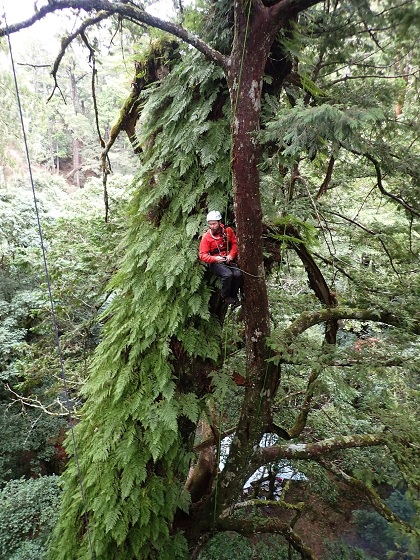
220,427
51,300
243,271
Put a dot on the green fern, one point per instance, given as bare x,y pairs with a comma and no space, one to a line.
130,420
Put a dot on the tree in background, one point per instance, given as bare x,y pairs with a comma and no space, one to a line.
59,116
164,351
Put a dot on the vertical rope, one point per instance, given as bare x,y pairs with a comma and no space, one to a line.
220,428
47,276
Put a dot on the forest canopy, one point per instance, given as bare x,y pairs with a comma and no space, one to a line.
286,427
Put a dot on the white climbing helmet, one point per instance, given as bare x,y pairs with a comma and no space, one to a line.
214,215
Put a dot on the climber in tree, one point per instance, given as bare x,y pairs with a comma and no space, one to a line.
218,249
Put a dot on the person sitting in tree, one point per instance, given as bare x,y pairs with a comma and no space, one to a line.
218,249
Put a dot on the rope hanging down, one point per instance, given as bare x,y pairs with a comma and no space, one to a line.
47,277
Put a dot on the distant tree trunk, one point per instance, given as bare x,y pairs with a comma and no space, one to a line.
57,158
76,142
76,162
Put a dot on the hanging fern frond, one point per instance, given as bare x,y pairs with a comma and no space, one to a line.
133,408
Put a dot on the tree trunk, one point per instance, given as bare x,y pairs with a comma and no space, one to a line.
255,31
76,142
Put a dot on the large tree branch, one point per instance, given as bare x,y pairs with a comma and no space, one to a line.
124,10
292,6
314,450
275,526
264,503
307,320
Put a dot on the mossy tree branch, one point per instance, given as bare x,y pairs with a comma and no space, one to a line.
309,319
249,527
374,499
265,455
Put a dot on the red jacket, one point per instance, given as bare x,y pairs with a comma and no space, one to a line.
219,245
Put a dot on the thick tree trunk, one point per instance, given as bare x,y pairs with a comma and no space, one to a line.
254,34
245,77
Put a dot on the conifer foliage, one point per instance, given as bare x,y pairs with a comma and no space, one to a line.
308,194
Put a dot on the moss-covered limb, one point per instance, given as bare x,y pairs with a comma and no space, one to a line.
252,526
127,119
315,450
374,499
307,320
154,66
300,506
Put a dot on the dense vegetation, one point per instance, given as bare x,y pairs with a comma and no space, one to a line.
322,354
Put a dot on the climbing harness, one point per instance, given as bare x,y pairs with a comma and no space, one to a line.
47,277
218,251
224,239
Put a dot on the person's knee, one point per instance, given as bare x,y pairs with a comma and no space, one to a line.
227,272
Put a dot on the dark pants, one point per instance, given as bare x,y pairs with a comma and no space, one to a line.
231,278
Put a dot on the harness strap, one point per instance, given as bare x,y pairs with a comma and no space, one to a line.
224,238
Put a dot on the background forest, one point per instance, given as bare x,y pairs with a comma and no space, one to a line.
131,143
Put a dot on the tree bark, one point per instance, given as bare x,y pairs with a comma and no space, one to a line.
254,34
255,29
